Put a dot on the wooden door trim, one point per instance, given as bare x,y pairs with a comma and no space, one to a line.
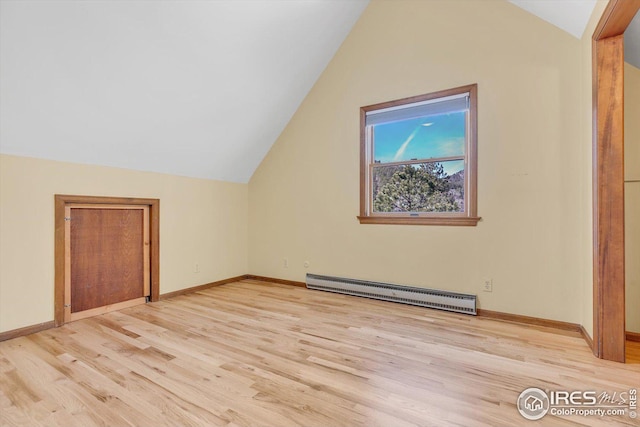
103,206
608,189
105,309
61,202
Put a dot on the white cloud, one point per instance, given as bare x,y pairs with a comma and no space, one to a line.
404,145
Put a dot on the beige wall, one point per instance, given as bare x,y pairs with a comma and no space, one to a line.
534,176
632,194
585,154
201,221
534,164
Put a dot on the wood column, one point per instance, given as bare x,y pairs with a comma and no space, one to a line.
608,210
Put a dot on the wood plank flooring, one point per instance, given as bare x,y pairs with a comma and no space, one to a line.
633,352
259,354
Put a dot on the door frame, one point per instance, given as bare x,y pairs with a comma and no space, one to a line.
608,180
62,202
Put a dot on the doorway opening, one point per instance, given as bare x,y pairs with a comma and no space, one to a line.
608,180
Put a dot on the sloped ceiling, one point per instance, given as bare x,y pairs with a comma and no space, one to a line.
632,42
573,16
186,87
569,15
192,88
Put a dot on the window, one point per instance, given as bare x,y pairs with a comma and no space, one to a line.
418,160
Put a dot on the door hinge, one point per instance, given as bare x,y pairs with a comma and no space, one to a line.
67,218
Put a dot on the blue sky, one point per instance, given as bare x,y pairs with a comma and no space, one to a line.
424,137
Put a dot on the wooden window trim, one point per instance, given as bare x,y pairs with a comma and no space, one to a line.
468,218
61,203
419,220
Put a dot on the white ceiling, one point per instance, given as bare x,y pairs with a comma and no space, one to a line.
569,15
198,88
573,16
192,88
632,42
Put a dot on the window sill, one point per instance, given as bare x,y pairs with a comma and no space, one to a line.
404,220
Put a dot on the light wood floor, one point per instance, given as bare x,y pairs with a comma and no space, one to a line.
633,352
274,355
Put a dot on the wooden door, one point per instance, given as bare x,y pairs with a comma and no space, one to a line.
107,258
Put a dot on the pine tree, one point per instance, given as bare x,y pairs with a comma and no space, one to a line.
416,188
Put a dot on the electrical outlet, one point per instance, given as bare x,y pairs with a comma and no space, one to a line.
285,262
196,269
488,285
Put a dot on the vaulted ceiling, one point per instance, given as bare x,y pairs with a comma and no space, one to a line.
570,15
192,88
573,16
632,42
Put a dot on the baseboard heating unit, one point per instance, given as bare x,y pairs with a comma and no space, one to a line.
431,298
